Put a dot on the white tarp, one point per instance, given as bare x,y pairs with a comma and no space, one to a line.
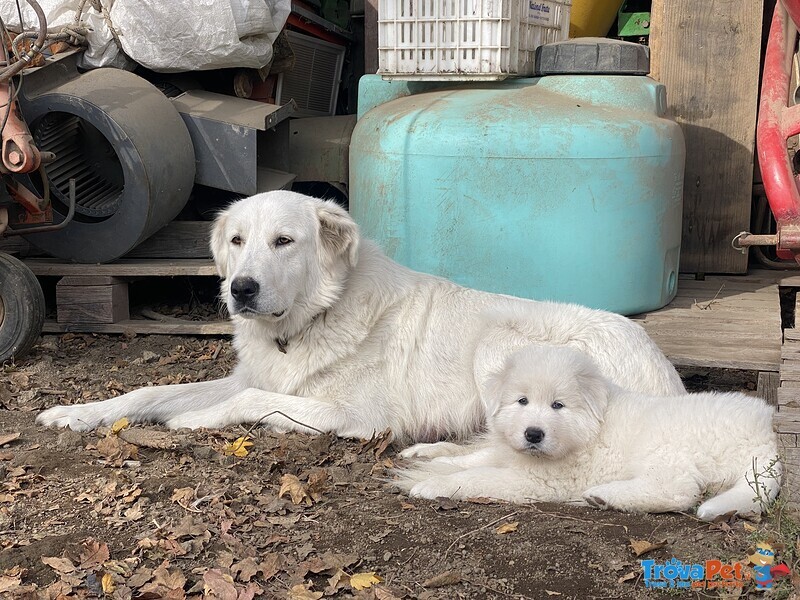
178,35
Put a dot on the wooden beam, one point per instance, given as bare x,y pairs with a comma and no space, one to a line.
707,55
143,326
125,267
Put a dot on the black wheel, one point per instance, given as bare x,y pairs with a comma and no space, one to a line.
21,308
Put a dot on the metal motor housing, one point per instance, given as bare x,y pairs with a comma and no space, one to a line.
125,145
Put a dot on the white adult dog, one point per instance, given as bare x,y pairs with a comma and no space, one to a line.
334,335
561,432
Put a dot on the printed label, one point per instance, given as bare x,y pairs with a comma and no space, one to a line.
542,13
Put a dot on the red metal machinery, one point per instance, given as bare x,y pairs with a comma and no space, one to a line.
778,120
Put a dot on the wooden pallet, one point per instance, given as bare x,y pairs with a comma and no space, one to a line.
729,322
94,299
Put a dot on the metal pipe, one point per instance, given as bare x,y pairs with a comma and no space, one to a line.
746,239
17,66
56,227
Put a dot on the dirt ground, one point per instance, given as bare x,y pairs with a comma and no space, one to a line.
147,513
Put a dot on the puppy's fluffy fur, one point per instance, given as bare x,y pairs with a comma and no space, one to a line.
561,432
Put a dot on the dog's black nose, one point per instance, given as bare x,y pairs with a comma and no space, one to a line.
534,435
244,289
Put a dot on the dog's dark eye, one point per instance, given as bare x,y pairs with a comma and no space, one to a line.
236,240
556,405
523,401
283,241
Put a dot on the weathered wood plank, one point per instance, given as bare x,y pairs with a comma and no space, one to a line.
142,267
689,40
179,239
92,303
767,386
142,326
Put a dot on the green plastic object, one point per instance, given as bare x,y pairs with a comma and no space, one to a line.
635,24
566,187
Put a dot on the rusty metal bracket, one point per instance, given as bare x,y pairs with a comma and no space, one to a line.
57,226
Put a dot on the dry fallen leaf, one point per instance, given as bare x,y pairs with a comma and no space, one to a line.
116,450
217,584
384,594
507,527
627,577
291,484
481,500
272,564
317,484
21,380
238,447
62,565
10,579
362,581
93,554
640,547
170,579
6,438
749,528
119,425
245,569
107,582
442,579
301,592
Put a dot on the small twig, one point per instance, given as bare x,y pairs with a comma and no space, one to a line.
194,510
710,302
285,416
463,535
413,554
569,518
217,351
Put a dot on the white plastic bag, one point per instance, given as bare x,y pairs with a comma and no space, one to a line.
181,35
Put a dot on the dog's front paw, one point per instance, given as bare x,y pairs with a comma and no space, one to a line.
436,487
596,501
81,417
434,450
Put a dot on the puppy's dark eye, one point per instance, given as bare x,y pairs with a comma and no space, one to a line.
523,401
283,241
556,405
236,240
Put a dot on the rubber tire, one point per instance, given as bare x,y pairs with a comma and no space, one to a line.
23,308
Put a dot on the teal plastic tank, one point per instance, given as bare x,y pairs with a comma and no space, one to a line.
564,187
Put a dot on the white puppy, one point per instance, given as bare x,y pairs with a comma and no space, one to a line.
561,432
331,335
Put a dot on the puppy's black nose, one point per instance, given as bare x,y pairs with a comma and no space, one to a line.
534,435
244,289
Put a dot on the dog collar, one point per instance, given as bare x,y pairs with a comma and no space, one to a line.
283,342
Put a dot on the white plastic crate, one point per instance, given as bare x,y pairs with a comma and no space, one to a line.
466,39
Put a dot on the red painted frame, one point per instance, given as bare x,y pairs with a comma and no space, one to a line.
777,121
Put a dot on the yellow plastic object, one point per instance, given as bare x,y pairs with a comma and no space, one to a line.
592,18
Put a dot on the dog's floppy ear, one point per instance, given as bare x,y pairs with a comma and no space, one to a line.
338,231
595,391
492,390
219,244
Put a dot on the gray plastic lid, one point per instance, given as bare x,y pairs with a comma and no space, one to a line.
599,56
